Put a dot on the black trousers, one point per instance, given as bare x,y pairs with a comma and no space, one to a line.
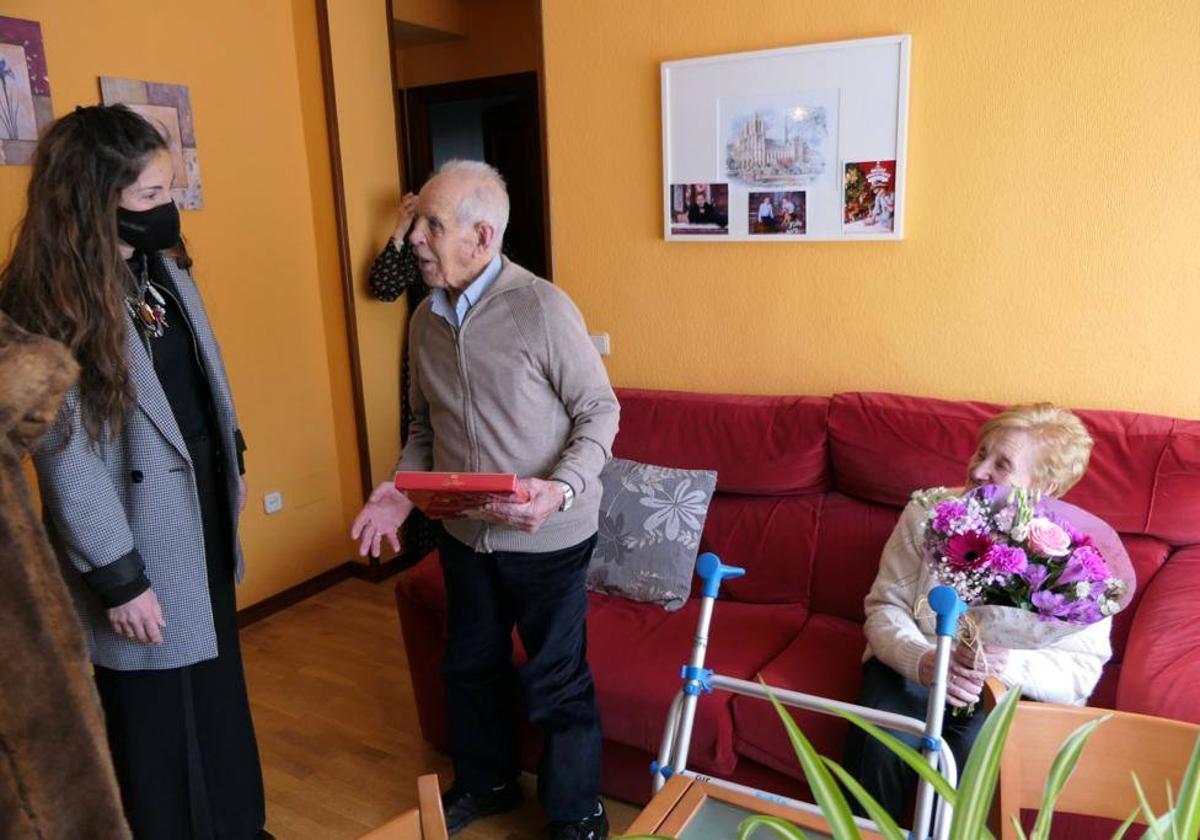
886,777
543,595
182,739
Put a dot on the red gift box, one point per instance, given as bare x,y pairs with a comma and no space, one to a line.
445,495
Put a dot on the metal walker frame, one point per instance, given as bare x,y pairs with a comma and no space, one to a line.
930,811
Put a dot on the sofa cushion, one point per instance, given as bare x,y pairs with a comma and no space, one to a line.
651,519
850,542
636,652
760,445
772,538
824,660
1162,657
1147,556
885,446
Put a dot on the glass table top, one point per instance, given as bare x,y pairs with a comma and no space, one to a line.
716,820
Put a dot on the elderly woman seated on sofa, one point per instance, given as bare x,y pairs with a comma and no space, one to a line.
1037,446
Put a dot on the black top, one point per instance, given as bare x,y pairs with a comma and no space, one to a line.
176,358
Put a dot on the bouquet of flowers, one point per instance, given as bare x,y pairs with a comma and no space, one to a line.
1032,570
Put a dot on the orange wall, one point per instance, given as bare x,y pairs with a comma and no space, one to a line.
446,16
1052,247
370,171
499,37
264,243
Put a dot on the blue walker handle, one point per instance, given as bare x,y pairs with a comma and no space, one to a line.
944,601
712,571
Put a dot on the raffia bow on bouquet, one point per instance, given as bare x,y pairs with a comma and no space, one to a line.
1033,570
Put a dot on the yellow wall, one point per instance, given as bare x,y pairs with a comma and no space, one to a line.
499,37
264,243
370,170
1053,240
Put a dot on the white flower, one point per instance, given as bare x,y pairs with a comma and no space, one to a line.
1109,607
1083,589
682,507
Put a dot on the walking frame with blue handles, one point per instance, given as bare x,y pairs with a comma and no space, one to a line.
931,818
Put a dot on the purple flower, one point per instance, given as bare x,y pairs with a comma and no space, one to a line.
1006,559
1035,575
947,513
1093,561
1050,605
1085,563
1084,611
988,493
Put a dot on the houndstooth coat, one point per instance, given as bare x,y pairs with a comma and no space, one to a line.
137,490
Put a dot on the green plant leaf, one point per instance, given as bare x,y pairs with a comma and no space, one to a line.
883,820
1060,772
825,790
1187,812
910,756
1152,820
1124,827
780,826
1020,832
978,782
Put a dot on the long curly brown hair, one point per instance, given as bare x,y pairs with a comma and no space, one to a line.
66,278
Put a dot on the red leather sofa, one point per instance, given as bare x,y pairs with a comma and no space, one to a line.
808,490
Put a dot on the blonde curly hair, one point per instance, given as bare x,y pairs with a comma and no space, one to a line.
1064,443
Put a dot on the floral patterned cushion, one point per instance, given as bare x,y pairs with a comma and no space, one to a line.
651,519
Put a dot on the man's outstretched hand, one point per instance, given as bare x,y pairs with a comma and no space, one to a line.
382,516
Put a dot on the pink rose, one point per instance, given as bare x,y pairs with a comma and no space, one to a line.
1048,539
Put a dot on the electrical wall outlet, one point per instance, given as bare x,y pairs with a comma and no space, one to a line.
601,342
273,502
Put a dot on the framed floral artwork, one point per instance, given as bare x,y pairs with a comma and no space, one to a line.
25,107
168,107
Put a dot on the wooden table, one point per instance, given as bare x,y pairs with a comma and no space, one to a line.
695,810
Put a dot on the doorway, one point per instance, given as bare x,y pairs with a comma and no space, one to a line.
496,119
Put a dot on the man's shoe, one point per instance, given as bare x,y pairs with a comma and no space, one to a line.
463,807
594,827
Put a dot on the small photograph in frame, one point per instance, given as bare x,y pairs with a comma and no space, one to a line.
777,213
869,197
699,209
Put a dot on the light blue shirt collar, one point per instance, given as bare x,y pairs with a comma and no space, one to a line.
454,315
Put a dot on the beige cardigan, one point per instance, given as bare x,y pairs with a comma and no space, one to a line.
1064,672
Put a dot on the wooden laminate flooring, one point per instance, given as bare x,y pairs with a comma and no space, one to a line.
337,723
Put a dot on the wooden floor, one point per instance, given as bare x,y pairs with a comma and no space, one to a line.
337,723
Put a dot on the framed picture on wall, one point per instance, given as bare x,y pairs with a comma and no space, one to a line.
169,107
807,142
25,107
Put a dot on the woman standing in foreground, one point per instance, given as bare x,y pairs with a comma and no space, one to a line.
141,476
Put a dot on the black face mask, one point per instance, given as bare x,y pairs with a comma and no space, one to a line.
156,229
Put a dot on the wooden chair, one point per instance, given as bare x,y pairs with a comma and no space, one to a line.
1157,749
425,822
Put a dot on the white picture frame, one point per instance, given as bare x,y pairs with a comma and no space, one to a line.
773,135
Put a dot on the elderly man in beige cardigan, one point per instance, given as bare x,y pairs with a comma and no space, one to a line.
505,379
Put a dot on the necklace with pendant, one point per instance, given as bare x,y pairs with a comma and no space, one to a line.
149,308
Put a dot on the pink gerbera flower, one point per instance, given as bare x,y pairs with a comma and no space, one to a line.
966,551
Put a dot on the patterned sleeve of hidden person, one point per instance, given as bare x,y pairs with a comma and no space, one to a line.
394,270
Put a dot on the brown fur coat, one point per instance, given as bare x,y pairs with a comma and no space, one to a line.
56,778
